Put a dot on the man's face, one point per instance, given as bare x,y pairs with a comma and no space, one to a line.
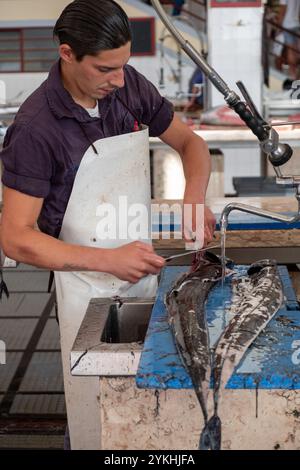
97,76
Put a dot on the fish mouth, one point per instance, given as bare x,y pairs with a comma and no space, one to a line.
216,259
207,258
212,257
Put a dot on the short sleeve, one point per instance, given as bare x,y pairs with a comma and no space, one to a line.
157,111
27,161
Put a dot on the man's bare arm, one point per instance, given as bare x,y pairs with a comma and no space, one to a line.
196,162
195,156
21,241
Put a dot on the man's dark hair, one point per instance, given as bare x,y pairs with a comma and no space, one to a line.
92,26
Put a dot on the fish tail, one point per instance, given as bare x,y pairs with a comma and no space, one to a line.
211,434
202,403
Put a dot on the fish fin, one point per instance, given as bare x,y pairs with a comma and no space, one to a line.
211,434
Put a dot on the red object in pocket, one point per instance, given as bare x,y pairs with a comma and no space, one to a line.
136,126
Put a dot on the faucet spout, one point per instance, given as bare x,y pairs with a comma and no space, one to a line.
256,211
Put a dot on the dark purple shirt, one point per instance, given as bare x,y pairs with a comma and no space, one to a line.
44,146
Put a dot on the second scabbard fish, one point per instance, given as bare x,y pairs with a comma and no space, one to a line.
186,313
258,297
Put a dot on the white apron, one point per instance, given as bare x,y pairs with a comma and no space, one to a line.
121,168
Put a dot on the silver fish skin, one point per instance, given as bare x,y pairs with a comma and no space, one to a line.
260,301
186,314
261,296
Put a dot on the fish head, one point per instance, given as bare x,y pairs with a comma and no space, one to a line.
210,264
257,267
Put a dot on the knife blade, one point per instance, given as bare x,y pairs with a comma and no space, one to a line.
188,252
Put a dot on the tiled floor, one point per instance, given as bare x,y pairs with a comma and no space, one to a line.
32,406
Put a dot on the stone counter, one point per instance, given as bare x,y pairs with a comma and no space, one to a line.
254,416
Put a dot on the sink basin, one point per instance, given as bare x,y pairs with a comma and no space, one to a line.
127,322
111,337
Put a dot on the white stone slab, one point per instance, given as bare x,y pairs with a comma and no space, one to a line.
92,357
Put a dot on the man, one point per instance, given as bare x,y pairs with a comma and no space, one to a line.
177,6
77,145
196,90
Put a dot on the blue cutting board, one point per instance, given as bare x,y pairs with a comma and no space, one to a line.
273,360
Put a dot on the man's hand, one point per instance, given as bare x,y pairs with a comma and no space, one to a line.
133,261
209,225
199,223
198,220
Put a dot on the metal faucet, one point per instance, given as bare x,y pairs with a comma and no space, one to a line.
278,153
288,181
257,211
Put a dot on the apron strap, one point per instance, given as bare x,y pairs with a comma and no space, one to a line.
137,123
50,282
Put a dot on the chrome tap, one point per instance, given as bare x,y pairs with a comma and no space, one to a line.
257,211
290,181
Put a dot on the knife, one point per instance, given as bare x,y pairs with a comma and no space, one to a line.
188,252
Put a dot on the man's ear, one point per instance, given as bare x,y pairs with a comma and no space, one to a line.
66,53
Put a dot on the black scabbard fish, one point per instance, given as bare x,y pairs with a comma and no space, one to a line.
186,314
259,301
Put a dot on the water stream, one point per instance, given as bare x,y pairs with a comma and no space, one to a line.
223,226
